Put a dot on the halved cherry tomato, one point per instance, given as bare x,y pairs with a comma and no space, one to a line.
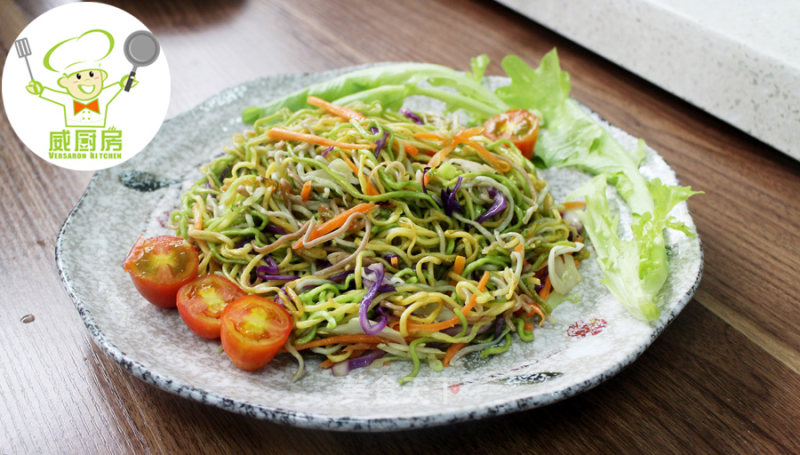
159,266
253,329
202,300
519,126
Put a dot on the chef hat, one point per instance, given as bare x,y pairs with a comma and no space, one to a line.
80,52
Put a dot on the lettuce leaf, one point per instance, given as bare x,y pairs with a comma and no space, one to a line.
478,65
392,84
634,270
544,89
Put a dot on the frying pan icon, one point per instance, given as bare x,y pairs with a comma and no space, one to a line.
141,49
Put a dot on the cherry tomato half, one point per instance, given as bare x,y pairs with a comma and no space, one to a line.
159,266
202,300
519,126
253,329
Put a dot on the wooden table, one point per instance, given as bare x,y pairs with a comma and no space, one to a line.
724,377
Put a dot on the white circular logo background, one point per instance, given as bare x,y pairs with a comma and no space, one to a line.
92,131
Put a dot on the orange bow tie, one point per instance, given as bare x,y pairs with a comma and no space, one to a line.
93,106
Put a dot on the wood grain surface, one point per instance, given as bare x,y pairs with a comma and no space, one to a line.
724,377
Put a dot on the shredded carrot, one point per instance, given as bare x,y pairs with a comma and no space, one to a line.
339,220
437,326
521,250
198,217
528,326
358,352
437,159
458,265
341,111
358,347
536,309
500,165
395,261
411,150
327,363
574,205
451,351
428,136
371,190
468,133
460,138
579,239
484,280
545,292
357,338
350,164
463,137
289,135
305,193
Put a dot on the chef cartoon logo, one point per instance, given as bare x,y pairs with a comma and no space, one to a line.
71,89
85,92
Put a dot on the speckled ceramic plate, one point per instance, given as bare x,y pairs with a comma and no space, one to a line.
581,345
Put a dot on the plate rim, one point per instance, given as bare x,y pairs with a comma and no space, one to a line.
322,421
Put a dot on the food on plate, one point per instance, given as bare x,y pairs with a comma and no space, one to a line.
386,233
159,266
201,302
420,234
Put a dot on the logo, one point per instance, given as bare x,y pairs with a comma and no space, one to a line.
86,86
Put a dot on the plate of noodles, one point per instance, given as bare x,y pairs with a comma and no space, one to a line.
433,273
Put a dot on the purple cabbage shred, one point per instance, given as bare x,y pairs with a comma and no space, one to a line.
369,328
497,206
449,201
263,272
243,242
340,276
345,366
275,229
365,360
380,143
412,116
271,266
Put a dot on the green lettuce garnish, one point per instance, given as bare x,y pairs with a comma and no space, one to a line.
392,84
634,270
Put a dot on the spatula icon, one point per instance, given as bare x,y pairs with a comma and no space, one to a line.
23,51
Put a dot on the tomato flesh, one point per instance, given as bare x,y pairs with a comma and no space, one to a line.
202,301
253,330
159,266
519,126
